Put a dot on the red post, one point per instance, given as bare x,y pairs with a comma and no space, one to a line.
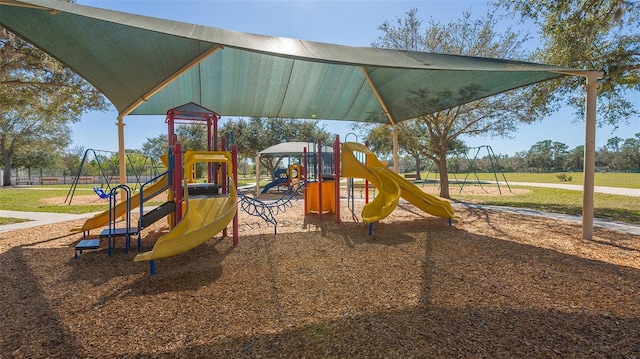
336,166
319,159
209,144
170,130
303,177
215,146
215,132
177,181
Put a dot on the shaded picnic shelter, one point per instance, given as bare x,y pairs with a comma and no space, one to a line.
147,65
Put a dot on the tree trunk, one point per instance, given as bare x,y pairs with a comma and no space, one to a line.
7,170
444,176
417,158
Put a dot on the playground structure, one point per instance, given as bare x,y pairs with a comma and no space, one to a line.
292,173
196,212
390,185
322,184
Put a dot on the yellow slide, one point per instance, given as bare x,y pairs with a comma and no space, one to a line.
390,186
204,218
102,219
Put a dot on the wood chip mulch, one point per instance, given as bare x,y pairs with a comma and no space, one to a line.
493,285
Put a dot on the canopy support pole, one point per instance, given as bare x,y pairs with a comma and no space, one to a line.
589,154
591,85
386,112
121,154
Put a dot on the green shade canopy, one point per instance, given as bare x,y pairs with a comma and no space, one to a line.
146,66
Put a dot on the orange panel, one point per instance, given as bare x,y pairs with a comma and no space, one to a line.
328,197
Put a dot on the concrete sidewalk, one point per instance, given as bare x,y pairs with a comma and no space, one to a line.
632,192
38,219
597,222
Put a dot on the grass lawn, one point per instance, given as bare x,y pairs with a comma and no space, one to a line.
9,220
33,200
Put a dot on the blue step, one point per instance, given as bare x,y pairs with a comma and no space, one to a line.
86,244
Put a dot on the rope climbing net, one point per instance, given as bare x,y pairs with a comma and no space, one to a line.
268,210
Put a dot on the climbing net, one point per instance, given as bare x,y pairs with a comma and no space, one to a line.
268,210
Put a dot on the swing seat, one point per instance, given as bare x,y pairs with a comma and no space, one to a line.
101,193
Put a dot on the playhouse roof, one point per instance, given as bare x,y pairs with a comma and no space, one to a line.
292,149
147,65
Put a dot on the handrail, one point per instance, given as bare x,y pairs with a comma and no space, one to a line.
113,215
153,180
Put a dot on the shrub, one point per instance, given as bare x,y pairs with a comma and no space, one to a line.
563,177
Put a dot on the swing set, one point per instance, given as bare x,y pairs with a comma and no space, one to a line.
472,168
101,167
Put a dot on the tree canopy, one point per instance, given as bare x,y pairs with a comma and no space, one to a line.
39,97
256,134
590,34
433,135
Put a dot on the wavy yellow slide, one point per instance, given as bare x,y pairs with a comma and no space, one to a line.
390,185
102,219
204,218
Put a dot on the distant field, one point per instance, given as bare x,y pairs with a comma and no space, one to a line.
625,180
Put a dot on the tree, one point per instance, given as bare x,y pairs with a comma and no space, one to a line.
413,139
574,160
39,98
155,147
559,153
605,159
630,151
547,156
257,133
71,160
515,163
379,138
589,34
613,144
494,116
620,154
190,136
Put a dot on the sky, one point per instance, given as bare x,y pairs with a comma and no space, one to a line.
351,23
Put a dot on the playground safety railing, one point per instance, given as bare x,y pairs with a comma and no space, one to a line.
113,217
144,197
